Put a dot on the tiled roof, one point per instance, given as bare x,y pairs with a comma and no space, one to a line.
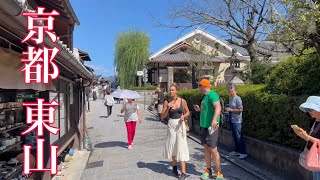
84,55
184,57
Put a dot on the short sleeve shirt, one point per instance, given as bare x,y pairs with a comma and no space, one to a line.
235,103
207,109
131,112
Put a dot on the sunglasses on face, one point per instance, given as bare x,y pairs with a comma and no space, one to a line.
309,110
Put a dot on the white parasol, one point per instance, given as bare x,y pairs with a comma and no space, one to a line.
126,94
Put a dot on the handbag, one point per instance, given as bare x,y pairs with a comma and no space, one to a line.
309,159
313,162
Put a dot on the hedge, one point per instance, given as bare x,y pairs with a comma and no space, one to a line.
296,76
149,88
266,116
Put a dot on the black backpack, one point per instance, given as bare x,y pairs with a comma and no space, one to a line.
222,116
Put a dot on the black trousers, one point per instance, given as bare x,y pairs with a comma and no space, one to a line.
109,109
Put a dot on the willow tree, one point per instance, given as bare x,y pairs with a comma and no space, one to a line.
131,54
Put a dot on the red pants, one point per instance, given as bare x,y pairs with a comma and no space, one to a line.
131,131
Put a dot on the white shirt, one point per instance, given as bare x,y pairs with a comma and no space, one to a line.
110,100
96,89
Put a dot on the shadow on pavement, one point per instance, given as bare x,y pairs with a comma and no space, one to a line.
103,116
151,119
163,167
111,144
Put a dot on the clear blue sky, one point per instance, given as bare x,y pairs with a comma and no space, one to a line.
102,20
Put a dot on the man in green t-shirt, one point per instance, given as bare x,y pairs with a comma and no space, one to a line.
209,127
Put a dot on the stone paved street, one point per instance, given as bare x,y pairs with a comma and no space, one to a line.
110,158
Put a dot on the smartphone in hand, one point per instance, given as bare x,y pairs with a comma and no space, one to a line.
295,127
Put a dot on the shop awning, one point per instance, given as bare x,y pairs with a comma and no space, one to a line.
11,77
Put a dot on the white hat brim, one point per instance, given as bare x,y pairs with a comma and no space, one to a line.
306,105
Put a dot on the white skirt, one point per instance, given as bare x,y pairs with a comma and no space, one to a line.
176,144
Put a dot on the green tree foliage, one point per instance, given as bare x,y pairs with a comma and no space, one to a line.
261,72
298,27
296,76
131,53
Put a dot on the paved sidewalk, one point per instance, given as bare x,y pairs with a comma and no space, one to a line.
110,158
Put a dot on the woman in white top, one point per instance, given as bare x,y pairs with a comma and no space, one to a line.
131,116
109,103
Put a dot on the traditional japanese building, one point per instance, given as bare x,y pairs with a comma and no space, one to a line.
198,54
68,89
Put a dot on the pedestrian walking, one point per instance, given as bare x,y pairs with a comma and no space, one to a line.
209,128
155,101
235,116
88,91
106,89
118,99
95,91
100,92
312,106
176,148
131,116
160,102
109,102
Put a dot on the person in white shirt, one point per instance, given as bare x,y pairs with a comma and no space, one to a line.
118,99
95,92
109,103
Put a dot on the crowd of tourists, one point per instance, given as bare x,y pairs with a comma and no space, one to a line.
175,110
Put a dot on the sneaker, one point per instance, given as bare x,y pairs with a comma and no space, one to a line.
233,153
219,176
129,147
206,174
183,177
175,171
243,156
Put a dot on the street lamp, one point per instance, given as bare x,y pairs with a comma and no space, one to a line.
206,69
235,76
145,78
